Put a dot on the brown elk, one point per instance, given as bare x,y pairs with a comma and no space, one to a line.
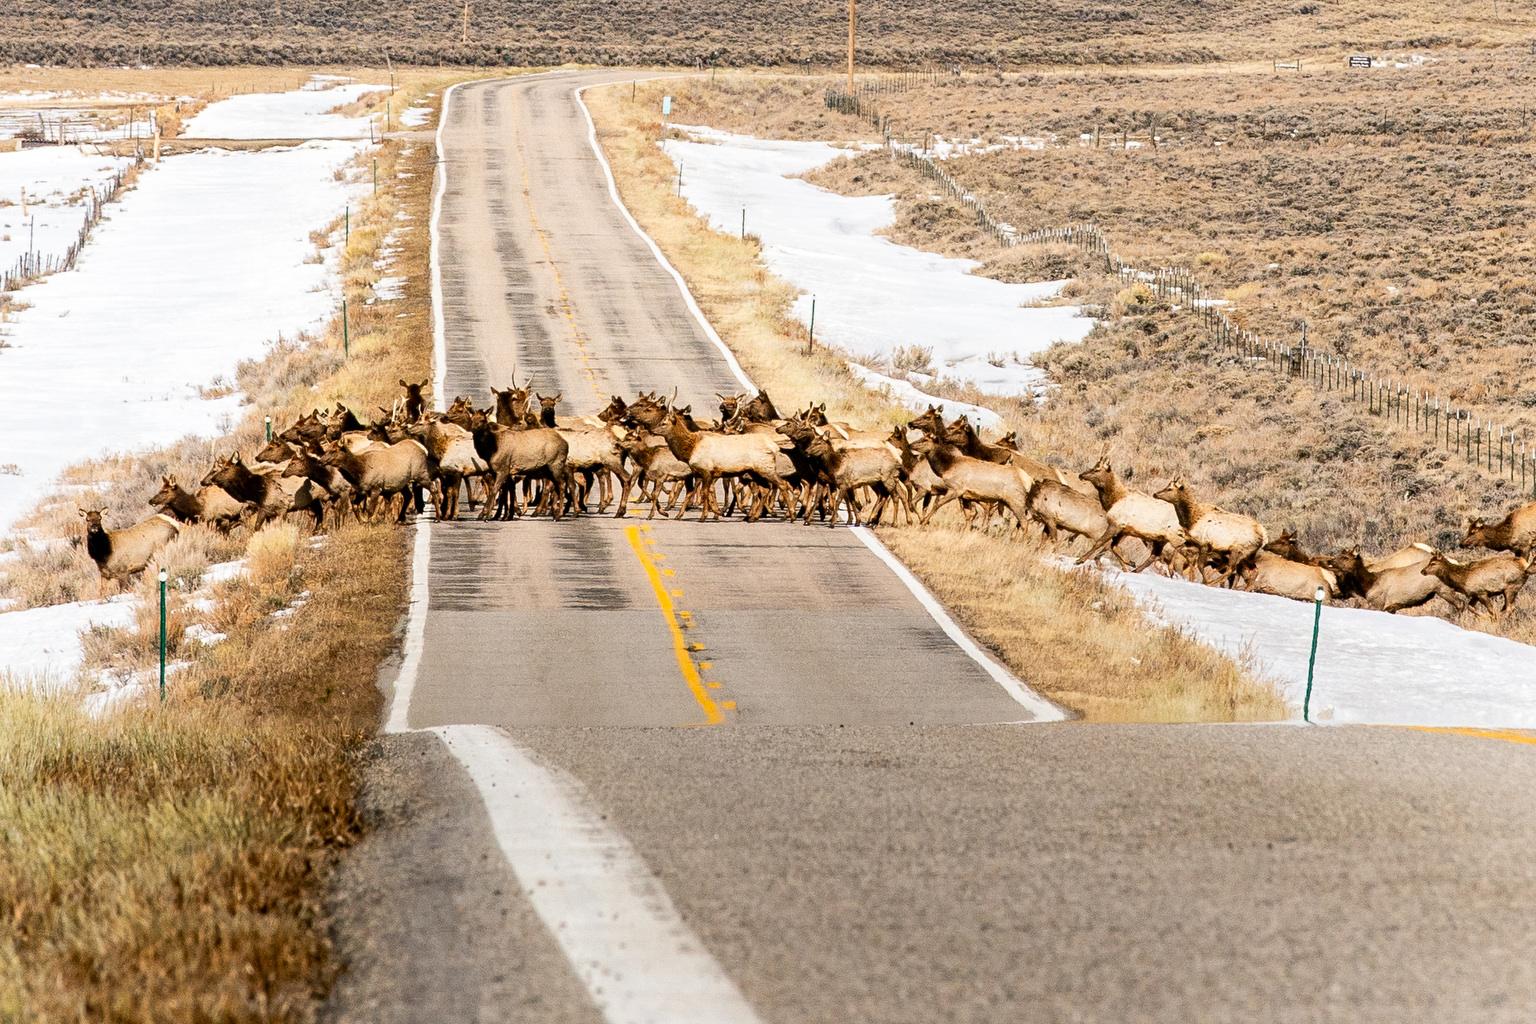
415,400
515,455
962,477
1390,590
119,554
381,473
1219,536
1057,507
451,448
1132,514
719,456
876,468
656,465
212,505
1503,574
1270,573
1516,532
269,497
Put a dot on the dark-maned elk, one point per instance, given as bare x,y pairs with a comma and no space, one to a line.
514,455
269,496
1515,532
415,400
1477,582
119,554
212,505
452,449
1390,590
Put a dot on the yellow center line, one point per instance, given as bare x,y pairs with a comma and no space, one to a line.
1503,735
680,646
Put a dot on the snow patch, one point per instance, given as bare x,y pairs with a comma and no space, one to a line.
304,114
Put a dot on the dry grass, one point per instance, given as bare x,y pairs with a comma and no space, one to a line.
994,581
168,863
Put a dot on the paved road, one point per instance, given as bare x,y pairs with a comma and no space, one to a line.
859,836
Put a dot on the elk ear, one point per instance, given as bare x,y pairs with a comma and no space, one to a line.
403,383
234,458
83,513
558,395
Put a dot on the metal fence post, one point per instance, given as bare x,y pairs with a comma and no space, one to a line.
1317,619
163,577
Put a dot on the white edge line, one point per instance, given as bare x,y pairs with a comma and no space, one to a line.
609,913
1042,709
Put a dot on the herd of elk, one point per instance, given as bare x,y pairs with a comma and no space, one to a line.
755,460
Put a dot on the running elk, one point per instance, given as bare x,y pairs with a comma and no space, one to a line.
1516,532
1220,536
1503,574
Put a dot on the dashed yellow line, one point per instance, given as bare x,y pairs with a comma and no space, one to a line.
676,620
1503,735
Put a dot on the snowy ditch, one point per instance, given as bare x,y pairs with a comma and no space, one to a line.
203,264
873,294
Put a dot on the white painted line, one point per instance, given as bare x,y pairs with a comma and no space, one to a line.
1042,709
612,917
399,719
682,286
439,317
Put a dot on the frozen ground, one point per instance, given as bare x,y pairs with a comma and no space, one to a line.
200,266
872,295
1371,667
56,181
304,114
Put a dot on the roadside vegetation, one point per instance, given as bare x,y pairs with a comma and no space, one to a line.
995,585
169,862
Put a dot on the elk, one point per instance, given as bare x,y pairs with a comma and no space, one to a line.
1411,557
1132,514
962,477
1504,574
1270,573
876,468
1516,532
520,454
382,473
415,401
269,496
212,505
1390,590
1287,547
717,456
655,463
452,449
597,453
1057,507
760,409
1234,538
119,554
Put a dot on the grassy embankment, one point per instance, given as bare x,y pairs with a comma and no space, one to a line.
1078,641
168,863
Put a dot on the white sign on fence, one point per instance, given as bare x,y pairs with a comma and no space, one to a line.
666,106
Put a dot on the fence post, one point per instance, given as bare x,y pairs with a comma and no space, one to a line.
1317,621
810,336
163,577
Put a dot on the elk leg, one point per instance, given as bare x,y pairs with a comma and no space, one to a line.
942,500
1103,544
625,479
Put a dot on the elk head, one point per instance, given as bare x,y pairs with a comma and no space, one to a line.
930,422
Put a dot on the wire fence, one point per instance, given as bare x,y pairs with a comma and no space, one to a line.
1493,447
32,264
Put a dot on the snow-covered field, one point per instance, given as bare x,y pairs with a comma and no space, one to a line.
872,295
55,181
201,265
1371,667
283,115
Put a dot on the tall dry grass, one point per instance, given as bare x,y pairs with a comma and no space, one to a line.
996,582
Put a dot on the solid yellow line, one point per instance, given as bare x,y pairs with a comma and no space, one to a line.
1504,735
685,663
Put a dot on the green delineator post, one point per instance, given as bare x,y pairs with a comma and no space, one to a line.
163,577
346,235
1317,619
268,423
810,337
375,177
346,332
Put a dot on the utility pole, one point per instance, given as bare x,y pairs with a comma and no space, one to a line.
465,35
853,20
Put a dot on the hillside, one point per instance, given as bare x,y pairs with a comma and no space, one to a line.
748,32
